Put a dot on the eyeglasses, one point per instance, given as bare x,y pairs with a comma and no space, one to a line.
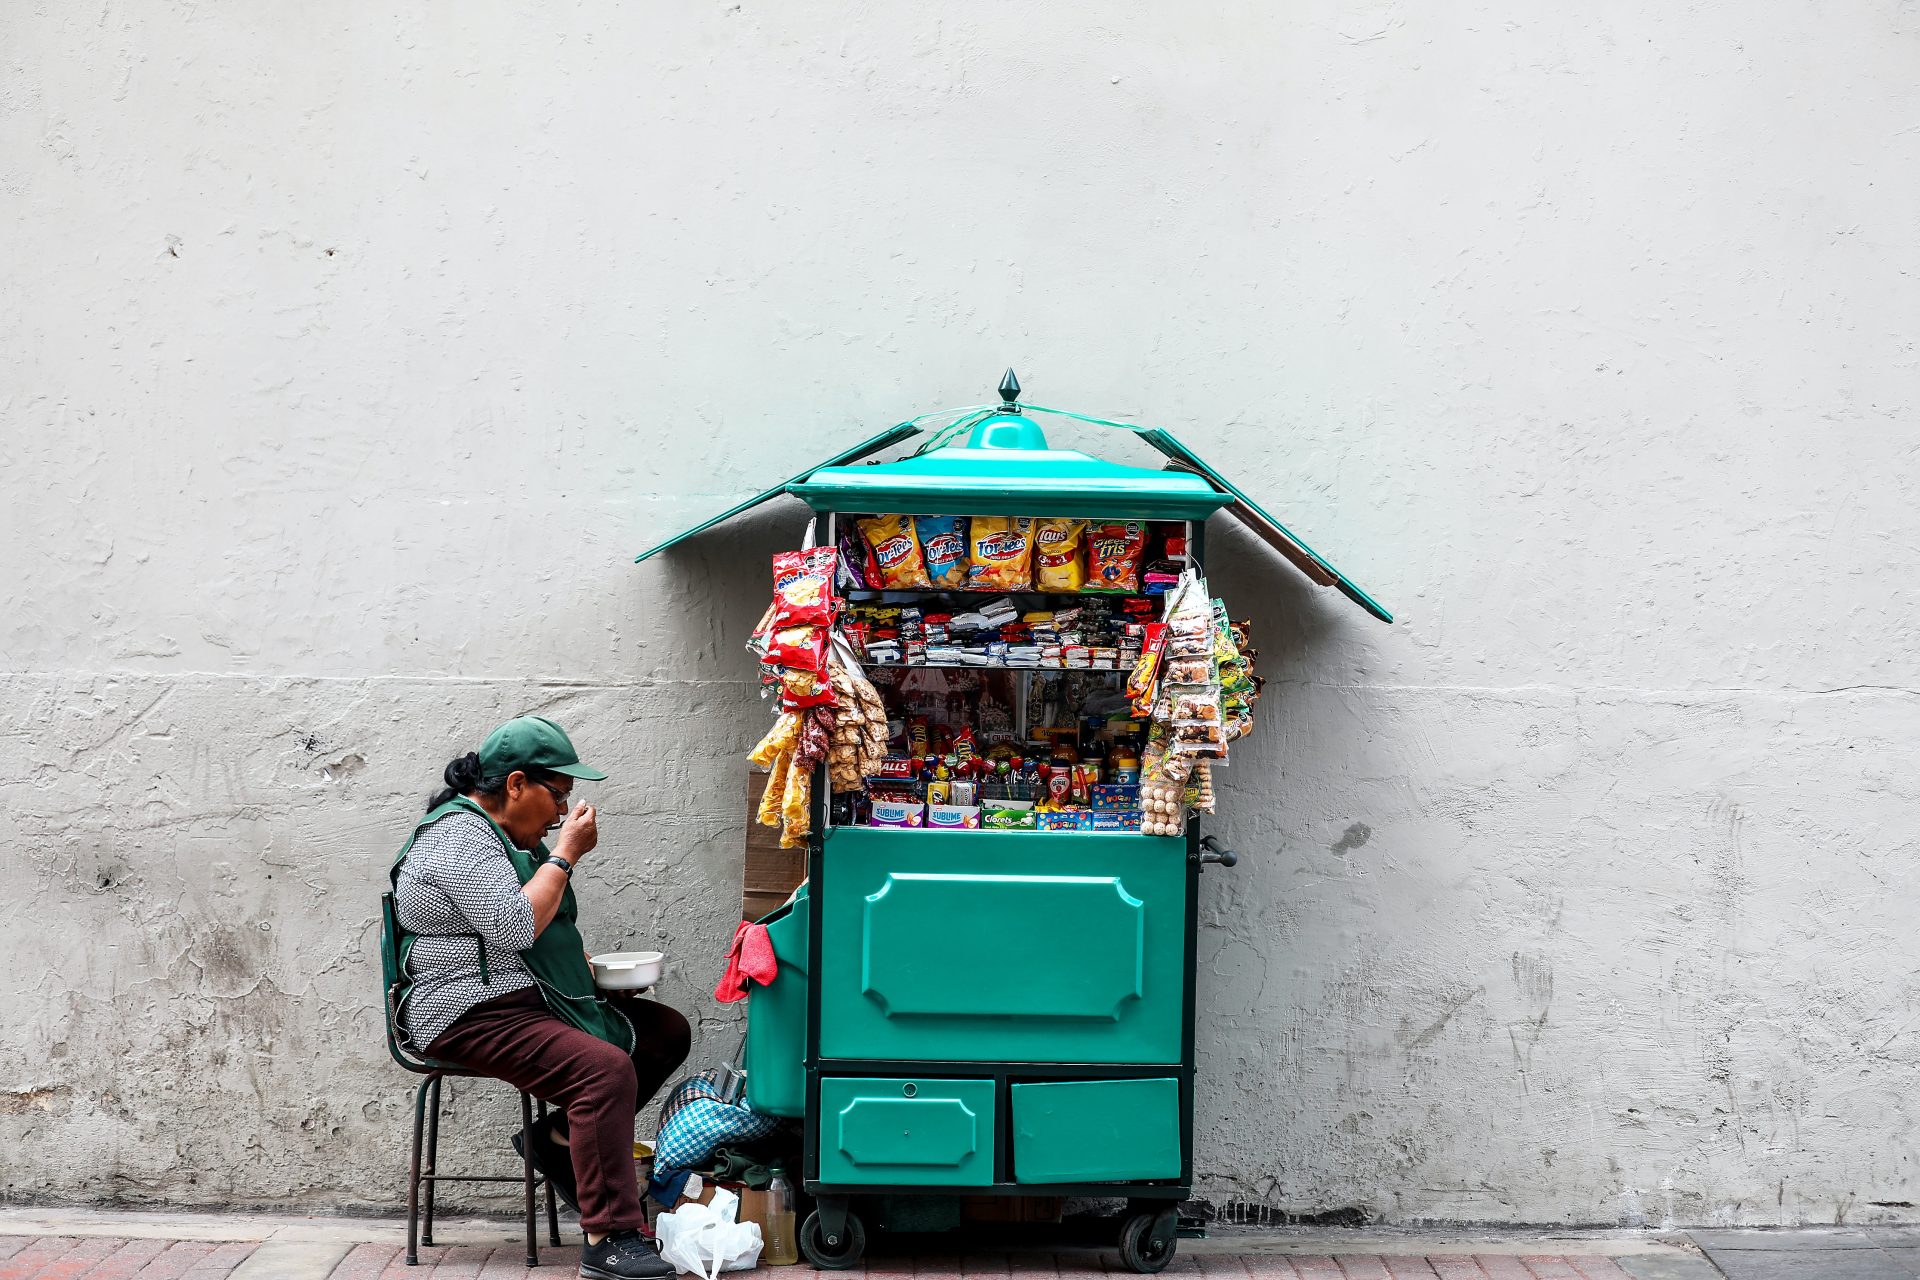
561,798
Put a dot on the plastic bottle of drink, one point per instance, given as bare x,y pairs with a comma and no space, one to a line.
780,1246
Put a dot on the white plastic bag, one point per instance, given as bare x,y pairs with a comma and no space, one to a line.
704,1239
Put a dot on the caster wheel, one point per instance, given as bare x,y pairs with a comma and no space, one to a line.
838,1257
1140,1249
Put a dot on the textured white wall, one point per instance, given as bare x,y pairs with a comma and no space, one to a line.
352,351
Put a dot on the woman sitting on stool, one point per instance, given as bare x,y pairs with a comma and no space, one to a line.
520,1005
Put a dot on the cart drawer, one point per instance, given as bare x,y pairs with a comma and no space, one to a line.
1096,1131
1002,946
908,1132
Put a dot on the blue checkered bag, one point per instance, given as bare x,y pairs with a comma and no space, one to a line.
694,1120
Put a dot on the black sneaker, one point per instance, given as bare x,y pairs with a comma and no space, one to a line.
554,1162
624,1255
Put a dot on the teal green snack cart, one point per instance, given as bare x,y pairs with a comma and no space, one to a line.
995,1012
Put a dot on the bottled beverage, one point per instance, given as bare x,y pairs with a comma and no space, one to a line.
780,1242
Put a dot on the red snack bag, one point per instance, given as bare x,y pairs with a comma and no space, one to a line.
800,689
802,647
803,587
1113,556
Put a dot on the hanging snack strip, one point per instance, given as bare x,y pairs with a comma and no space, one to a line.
792,641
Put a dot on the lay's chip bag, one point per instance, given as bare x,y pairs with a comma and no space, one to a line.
1057,563
943,543
1000,553
896,551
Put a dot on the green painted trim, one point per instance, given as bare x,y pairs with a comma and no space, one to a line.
1015,482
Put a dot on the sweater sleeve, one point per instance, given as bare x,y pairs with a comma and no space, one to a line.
469,866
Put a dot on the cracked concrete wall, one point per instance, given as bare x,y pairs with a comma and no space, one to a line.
353,351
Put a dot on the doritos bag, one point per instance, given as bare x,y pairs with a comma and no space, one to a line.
896,551
943,544
1057,565
1000,553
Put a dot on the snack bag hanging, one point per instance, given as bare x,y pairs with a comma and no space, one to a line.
1057,565
896,553
943,543
803,587
1113,556
1000,553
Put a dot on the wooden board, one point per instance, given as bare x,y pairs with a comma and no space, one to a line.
772,873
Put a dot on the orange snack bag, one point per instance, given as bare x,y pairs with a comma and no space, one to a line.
1057,564
1113,556
896,550
1000,553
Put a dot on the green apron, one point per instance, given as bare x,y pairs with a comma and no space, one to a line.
557,959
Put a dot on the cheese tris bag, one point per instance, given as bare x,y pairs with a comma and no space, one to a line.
1000,553
1057,565
1113,556
943,543
896,551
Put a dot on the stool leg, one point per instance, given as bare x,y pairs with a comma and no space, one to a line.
553,1214
433,1159
413,1176
526,1125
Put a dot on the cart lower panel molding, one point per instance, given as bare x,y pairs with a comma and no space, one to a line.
907,1132
1005,946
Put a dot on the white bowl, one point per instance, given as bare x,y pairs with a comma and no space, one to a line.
627,970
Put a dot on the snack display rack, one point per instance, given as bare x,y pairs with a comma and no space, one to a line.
994,1012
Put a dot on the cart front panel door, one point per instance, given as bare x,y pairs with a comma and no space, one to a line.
1002,946
907,1132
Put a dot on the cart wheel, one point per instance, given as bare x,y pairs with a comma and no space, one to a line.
1140,1249
813,1243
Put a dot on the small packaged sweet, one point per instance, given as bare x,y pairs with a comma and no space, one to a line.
898,813
1007,815
953,817
1065,819
1116,819
1111,795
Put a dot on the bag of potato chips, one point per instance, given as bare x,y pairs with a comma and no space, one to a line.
943,543
896,551
1057,564
1000,553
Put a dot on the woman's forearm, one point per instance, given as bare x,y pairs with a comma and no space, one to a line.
543,893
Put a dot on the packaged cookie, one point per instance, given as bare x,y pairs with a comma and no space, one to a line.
897,558
1000,553
1057,562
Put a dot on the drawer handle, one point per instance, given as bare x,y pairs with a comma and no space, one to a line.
910,1090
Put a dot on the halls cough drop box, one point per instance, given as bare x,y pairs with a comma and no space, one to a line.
999,1012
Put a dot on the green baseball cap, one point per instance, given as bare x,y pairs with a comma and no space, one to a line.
532,742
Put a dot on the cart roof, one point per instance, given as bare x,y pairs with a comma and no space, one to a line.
985,477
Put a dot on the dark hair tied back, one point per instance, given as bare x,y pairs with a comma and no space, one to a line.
462,776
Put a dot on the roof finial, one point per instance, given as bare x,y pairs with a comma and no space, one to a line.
1009,393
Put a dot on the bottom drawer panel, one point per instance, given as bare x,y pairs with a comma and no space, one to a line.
907,1132
1096,1131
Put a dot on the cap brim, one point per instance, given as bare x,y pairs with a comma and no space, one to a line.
583,772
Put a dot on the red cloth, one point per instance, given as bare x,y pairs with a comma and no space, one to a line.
750,956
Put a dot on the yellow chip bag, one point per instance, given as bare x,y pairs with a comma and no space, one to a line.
1057,564
896,553
1000,553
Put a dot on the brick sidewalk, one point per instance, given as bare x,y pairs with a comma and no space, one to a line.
101,1258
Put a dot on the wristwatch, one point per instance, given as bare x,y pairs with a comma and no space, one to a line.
555,860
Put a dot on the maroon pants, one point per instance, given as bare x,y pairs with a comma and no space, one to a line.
513,1038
